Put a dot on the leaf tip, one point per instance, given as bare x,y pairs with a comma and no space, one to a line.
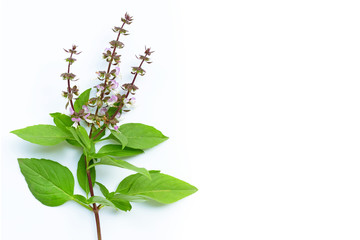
14,131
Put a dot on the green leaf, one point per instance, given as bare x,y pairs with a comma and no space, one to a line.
141,136
112,111
102,201
122,164
50,182
97,130
161,188
120,203
82,201
82,100
80,135
62,121
75,135
112,202
73,142
84,137
42,134
116,150
80,198
121,138
103,189
128,197
82,176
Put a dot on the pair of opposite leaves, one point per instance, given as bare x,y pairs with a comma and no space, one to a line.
53,184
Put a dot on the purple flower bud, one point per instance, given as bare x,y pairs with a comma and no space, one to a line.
71,111
86,109
129,102
114,84
102,111
118,115
108,49
100,87
117,70
87,119
76,119
112,100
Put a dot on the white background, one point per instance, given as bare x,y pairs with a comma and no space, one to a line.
260,100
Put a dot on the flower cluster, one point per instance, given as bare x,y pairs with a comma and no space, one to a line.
68,76
105,109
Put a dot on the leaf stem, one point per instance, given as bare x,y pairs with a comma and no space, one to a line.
95,208
97,219
82,204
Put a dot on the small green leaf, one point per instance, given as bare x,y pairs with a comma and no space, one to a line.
74,133
120,203
82,201
103,189
80,135
42,134
112,202
141,136
116,150
82,100
122,164
97,130
161,188
84,137
82,175
62,121
50,182
73,142
81,198
112,111
102,201
128,197
121,138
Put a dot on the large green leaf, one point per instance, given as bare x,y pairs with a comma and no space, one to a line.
82,100
161,188
141,136
42,134
117,151
82,175
122,164
50,182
